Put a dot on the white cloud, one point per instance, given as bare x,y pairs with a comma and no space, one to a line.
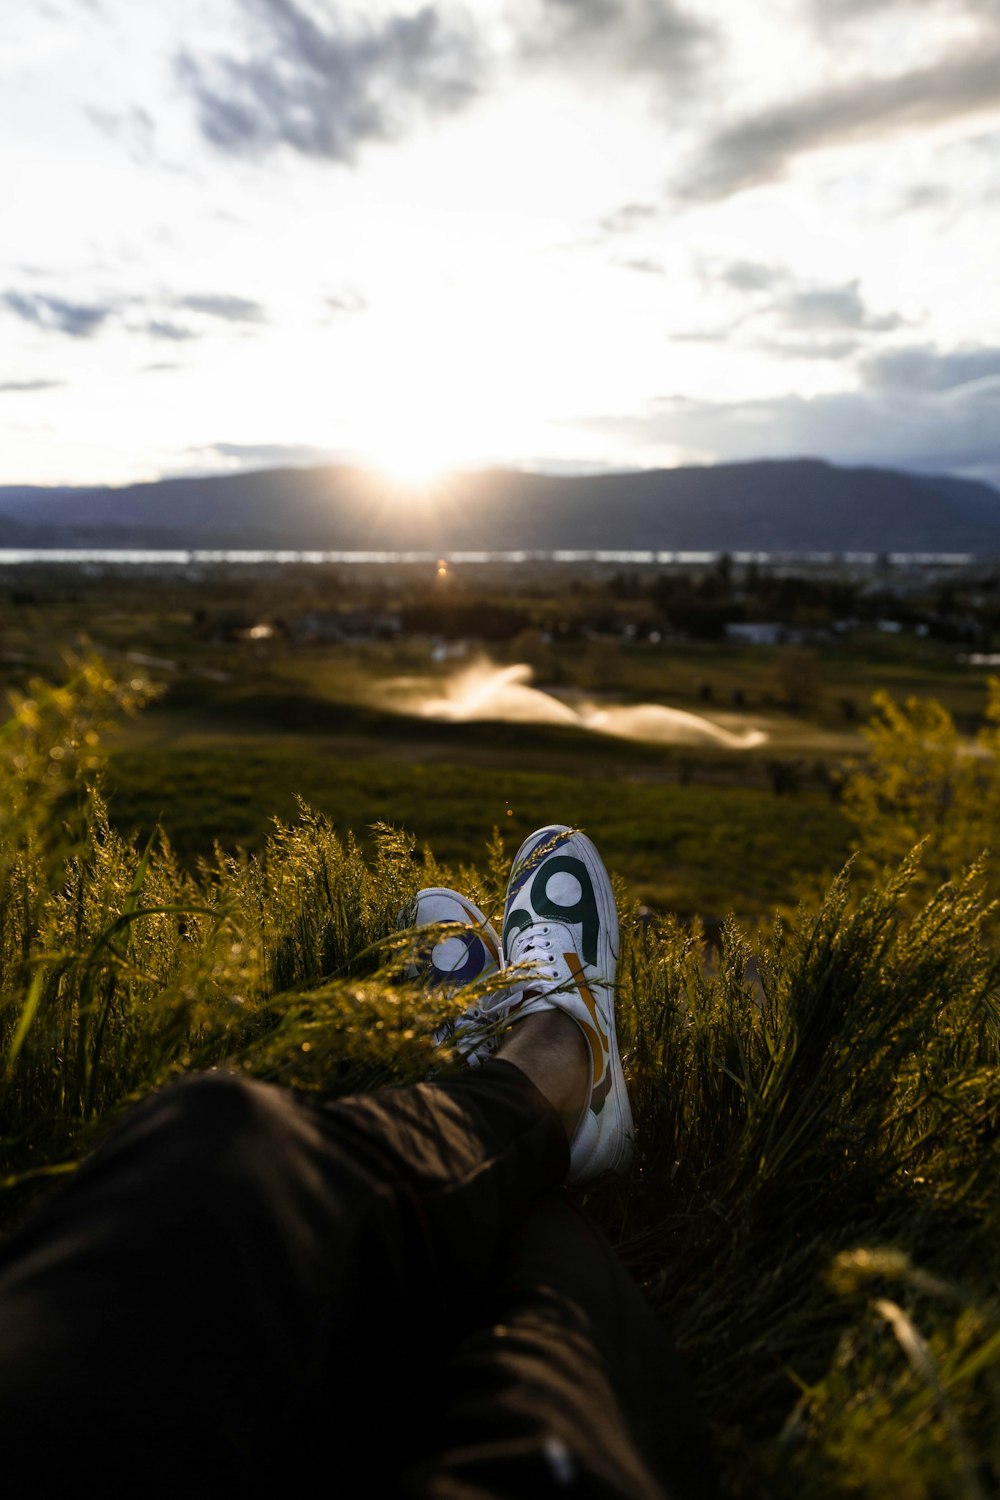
447,226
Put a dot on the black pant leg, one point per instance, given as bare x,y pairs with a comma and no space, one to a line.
572,1387
238,1283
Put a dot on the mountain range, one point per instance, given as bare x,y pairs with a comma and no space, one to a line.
791,505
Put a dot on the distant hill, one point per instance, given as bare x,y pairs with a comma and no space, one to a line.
794,505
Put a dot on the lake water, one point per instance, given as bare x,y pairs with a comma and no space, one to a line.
140,558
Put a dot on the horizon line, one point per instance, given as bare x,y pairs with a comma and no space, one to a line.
557,470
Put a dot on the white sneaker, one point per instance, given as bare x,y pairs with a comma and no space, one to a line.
561,927
453,961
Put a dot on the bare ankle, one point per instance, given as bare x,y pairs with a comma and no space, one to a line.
551,1050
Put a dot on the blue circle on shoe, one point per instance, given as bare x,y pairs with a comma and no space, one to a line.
466,970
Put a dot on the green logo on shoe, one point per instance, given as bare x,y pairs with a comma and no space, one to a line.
583,910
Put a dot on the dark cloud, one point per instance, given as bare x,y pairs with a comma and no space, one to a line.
828,12
925,195
961,175
134,128
916,430
586,15
817,348
644,267
270,455
639,36
724,334
30,385
78,319
758,149
325,89
750,276
921,367
162,328
346,302
138,315
803,309
223,305
627,218
833,307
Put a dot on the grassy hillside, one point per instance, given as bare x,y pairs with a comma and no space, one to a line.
814,1203
673,844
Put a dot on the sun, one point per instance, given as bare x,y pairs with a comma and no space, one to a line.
419,443
410,463
427,406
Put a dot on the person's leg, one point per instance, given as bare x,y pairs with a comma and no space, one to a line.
239,1282
568,1380
236,1279
570,1385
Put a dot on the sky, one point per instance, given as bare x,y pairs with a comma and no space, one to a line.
555,234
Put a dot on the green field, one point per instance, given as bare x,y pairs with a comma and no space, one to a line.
245,727
676,846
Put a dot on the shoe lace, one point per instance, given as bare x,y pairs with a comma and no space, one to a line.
532,954
531,943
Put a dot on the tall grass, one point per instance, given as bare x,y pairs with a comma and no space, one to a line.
814,1206
807,1142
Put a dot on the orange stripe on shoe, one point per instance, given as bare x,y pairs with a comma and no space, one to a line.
576,969
596,1037
596,1047
482,933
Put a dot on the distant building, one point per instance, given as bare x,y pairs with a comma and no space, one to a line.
321,627
757,632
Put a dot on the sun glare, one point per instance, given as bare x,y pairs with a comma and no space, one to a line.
414,438
416,450
427,401
413,465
